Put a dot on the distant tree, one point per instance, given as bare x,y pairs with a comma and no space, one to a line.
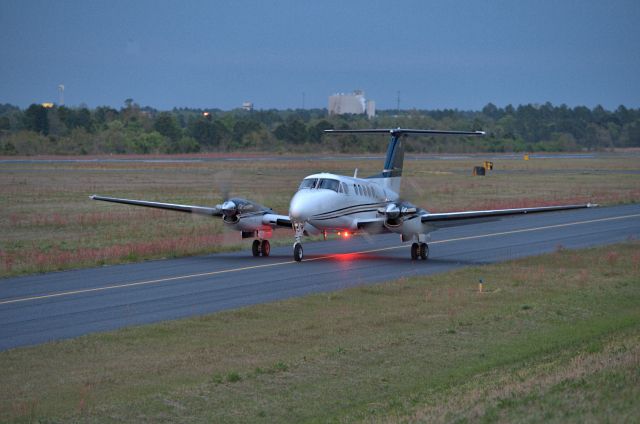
166,125
630,136
623,115
5,123
600,116
35,119
103,115
113,138
202,130
491,111
145,142
184,145
209,133
316,132
243,127
293,132
134,129
76,118
509,110
478,125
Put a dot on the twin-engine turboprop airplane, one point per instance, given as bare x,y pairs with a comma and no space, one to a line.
328,203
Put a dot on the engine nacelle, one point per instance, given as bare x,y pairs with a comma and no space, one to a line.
396,214
231,219
404,219
407,227
242,214
230,212
246,223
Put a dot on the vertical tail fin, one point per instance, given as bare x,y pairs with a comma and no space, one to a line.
395,157
391,175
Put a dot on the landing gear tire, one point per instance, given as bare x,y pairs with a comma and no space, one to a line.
423,251
415,251
297,252
255,248
265,248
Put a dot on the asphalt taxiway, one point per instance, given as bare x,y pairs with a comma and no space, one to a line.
41,308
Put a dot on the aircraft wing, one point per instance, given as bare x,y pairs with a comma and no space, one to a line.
453,219
201,210
271,219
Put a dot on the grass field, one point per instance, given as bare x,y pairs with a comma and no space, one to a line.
554,338
48,223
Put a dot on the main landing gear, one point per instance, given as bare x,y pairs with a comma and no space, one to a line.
261,247
419,251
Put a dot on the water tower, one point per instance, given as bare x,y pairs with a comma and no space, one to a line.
61,94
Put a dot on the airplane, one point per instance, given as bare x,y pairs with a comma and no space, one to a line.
329,203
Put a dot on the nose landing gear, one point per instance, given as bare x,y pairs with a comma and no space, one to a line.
298,253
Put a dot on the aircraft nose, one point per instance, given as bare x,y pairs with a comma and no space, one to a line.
299,208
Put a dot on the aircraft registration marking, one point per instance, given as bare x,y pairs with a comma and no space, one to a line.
226,271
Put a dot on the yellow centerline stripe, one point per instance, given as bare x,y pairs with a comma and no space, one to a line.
226,271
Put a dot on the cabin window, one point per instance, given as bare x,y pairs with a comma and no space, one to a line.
329,184
308,183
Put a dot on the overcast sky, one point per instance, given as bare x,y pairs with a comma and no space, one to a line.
437,54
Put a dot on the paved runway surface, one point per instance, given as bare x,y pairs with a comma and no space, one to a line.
54,306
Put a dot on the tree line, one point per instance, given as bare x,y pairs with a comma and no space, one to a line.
135,129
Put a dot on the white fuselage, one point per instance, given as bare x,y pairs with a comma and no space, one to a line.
329,202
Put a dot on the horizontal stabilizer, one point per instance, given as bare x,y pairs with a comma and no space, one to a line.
400,131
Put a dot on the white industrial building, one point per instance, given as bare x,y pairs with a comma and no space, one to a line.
355,103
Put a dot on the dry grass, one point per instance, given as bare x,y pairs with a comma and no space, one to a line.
520,394
48,223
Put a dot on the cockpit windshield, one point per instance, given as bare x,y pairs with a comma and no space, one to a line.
329,184
308,183
324,183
